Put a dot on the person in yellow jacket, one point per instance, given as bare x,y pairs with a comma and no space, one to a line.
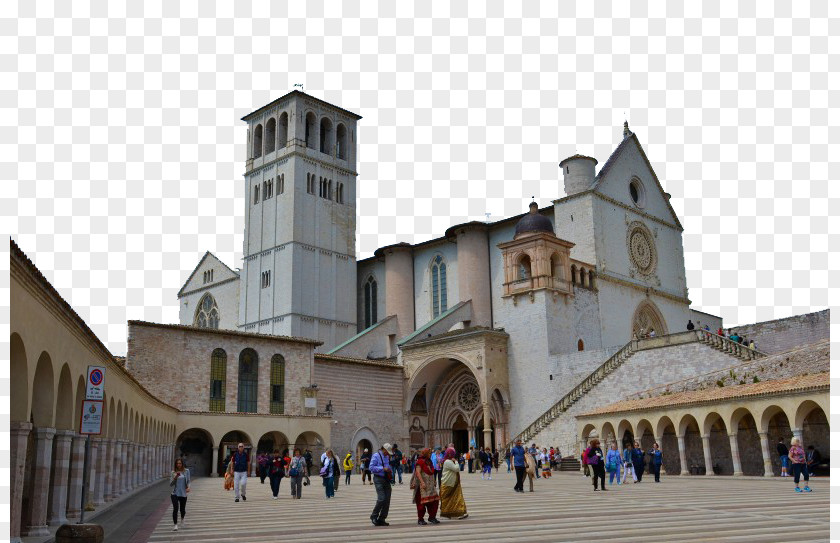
348,468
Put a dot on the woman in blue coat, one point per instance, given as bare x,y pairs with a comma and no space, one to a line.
655,461
615,465
637,455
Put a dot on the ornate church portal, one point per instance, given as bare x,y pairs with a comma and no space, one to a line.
457,385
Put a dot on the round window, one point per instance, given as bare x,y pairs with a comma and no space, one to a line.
637,192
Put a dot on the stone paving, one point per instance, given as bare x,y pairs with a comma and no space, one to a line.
563,508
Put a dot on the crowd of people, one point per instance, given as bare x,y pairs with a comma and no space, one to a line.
435,473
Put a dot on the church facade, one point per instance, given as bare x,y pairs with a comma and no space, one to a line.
491,322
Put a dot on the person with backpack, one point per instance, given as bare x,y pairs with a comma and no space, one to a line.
615,464
276,470
297,472
595,457
396,459
348,467
329,471
380,466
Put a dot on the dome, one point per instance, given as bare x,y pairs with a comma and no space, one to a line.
533,222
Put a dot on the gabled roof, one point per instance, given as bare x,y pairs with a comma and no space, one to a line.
630,140
195,270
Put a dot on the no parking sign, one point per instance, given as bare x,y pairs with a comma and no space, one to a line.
95,383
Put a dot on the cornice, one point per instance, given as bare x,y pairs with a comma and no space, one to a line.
602,276
637,211
290,154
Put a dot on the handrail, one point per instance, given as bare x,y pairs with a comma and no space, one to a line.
576,392
728,344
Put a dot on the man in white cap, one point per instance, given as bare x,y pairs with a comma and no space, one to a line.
240,465
380,466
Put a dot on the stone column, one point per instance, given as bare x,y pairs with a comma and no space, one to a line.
707,456
129,466
60,477
40,483
683,462
215,466
77,465
488,428
135,472
765,453
254,462
101,471
119,468
110,460
736,457
18,443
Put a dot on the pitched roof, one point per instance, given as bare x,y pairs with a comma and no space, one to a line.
800,383
224,332
296,92
384,362
631,139
200,262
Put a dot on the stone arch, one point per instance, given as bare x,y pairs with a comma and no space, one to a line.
625,432
270,135
312,441
196,446
689,428
325,135
119,421
608,434
341,141
803,410
433,369
714,425
64,400
43,392
644,434
310,125
648,317
588,433
207,312
524,269
666,432
283,130
272,440
364,434
749,443
574,274
775,421
258,141
815,426
769,413
555,262
112,419
19,380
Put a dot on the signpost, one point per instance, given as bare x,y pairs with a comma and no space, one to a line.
90,422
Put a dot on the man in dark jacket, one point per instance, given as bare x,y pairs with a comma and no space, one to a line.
782,451
396,458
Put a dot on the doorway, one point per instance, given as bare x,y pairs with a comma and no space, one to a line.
460,435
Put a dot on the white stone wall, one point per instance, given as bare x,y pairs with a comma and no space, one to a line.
701,319
645,369
573,221
226,294
782,335
618,303
423,257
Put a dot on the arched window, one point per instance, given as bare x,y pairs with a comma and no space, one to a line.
591,278
247,397
218,373
370,302
283,133
524,268
207,313
341,141
278,384
270,134
310,130
329,190
281,185
580,345
574,274
582,276
438,286
309,183
340,195
326,136
256,194
258,143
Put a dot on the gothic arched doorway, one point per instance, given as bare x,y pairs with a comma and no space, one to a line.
648,318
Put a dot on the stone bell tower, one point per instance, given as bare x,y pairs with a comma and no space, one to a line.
299,257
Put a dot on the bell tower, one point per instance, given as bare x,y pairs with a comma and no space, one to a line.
298,275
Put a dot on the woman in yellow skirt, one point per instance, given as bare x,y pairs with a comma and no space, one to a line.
452,503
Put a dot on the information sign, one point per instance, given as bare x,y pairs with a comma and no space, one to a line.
91,422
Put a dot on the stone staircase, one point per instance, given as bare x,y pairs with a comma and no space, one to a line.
722,344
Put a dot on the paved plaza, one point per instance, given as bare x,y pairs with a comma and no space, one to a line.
563,508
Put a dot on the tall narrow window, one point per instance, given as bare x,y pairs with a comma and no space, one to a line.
270,135
370,302
310,130
265,190
207,313
326,136
524,268
281,185
329,190
258,141
247,397
341,141
283,132
580,345
218,372
278,384
256,194
439,302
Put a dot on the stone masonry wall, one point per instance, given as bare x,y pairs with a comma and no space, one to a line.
644,370
804,361
782,335
363,396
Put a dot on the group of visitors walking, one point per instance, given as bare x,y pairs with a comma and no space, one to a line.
620,464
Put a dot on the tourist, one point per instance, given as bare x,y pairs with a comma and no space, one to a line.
546,463
813,459
487,465
797,460
596,463
690,325
365,467
585,463
706,328
552,457
627,457
438,463
180,479
425,492
380,466
533,451
752,344
469,456
461,462
720,331
615,464
348,467
240,466
652,332
276,470
507,459
329,472
637,455
308,457
396,459
530,470
782,451
517,454
655,461
297,471
262,467
452,503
